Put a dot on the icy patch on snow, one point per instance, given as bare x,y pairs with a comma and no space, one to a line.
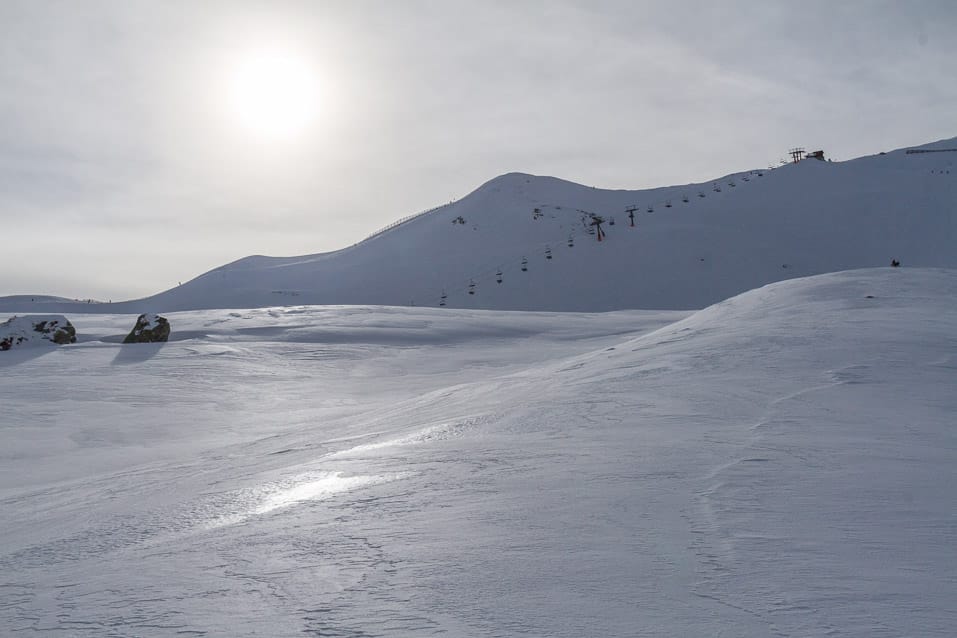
322,485
440,432
310,486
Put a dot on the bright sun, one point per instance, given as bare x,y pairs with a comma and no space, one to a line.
273,95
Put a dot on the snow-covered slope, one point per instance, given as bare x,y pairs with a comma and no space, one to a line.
779,464
763,226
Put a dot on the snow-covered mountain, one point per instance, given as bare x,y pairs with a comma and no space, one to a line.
690,245
779,464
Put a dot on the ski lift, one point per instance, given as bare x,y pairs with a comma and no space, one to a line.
571,241
746,178
684,198
668,203
631,214
700,193
548,252
651,209
611,221
471,286
716,188
760,174
498,276
524,264
443,298
731,184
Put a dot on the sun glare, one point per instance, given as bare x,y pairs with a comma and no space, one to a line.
274,95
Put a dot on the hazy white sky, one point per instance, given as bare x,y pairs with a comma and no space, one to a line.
125,166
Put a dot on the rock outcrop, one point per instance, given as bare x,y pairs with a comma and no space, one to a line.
149,328
32,329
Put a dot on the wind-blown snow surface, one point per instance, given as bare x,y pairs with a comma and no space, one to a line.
762,226
781,463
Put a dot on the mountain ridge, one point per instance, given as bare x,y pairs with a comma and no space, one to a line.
691,244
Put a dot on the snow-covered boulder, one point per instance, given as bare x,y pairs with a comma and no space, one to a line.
149,328
33,329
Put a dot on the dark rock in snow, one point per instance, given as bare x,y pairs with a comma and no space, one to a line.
149,328
31,329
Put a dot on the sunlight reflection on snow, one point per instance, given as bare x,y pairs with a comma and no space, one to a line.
313,486
417,437
429,434
324,486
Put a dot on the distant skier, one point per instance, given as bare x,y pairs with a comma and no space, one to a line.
895,263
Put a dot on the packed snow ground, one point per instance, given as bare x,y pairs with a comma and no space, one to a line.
781,463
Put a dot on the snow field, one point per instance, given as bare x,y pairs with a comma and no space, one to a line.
776,464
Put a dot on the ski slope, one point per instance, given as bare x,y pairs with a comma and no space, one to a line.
731,235
778,464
